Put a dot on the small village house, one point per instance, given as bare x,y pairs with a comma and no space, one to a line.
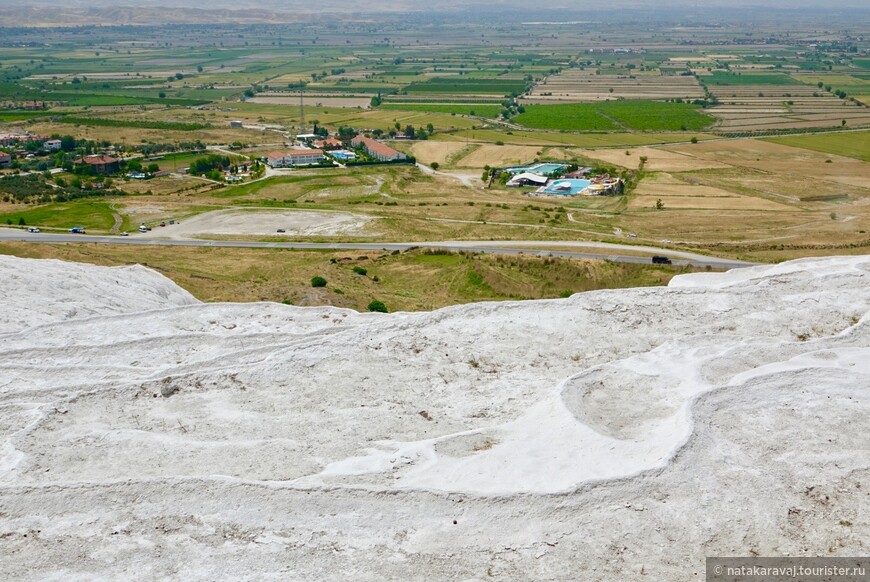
101,164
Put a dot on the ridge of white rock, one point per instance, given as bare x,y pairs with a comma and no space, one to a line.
116,380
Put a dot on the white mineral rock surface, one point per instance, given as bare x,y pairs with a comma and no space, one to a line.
613,435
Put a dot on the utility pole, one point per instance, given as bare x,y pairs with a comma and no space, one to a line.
301,110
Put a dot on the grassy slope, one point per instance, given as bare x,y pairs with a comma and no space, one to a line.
407,282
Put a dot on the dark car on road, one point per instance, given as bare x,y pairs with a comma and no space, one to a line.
660,260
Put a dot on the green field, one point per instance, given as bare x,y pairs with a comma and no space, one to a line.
851,145
478,110
459,86
92,214
729,78
25,115
616,115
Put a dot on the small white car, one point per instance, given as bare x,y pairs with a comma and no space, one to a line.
32,229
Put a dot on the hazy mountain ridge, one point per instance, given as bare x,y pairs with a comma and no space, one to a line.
156,12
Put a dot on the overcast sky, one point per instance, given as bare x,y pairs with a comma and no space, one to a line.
312,5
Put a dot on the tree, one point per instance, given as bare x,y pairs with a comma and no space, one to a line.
162,95
318,281
659,204
435,165
199,69
360,271
21,221
67,143
378,306
694,139
153,168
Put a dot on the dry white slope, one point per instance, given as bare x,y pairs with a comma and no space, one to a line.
613,435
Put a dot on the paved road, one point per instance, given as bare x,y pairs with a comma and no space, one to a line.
504,248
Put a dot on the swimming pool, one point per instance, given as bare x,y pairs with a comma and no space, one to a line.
544,169
566,187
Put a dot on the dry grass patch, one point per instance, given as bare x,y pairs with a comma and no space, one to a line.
678,194
408,281
657,159
435,151
495,155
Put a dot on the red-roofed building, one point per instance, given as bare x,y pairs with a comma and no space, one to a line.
5,160
101,164
275,159
377,149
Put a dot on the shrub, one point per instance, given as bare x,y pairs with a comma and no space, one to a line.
360,271
318,281
378,307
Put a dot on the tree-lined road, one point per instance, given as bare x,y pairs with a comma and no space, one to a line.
591,250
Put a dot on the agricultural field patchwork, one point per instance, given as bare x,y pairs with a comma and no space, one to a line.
576,86
748,108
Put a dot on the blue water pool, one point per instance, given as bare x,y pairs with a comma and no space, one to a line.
567,187
544,169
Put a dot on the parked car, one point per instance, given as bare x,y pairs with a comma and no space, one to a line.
660,260
32,229
125,233
632,235
77,230
281,230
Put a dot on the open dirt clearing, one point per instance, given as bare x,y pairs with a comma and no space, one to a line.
262,223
